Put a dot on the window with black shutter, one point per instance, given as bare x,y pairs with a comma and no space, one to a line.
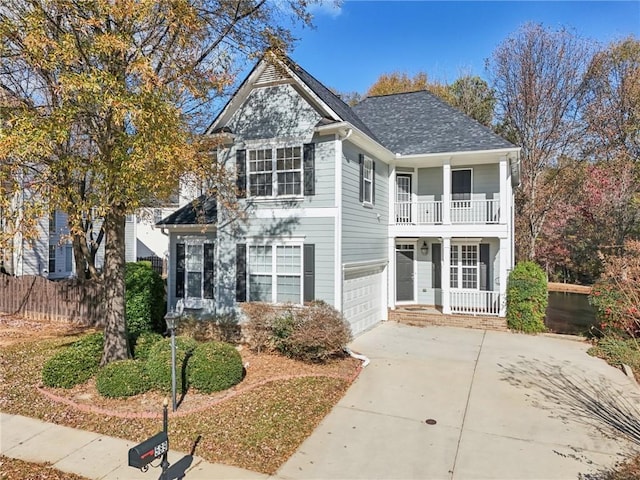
241,172
309,272
309,153
208,267
241,272
180,264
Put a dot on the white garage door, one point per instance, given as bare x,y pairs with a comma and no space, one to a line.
363,297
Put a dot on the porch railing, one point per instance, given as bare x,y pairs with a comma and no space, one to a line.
472,302
461,211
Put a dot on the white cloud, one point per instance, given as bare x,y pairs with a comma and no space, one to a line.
331,8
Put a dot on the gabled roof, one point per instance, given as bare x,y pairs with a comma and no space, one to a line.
335,107
203,210
420,123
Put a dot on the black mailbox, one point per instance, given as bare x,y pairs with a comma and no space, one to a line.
143,454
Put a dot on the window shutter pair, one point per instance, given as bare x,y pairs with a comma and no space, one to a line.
308,272
309,167
485,270
373,179
208,270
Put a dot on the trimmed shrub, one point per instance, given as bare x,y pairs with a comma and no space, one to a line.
313,333
145,299
123,378
158,364
221,328
527,298
143,344
215,366
75,364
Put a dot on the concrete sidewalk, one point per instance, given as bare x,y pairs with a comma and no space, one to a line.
505,406
97,456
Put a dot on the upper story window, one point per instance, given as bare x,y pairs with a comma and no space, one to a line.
461,184
279,174
275,172
367,180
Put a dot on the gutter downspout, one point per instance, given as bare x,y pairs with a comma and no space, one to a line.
365,360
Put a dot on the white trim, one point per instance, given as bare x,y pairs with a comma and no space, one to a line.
364,265
337,214
470,153
273,240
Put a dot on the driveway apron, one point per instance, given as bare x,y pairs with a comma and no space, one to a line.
451,403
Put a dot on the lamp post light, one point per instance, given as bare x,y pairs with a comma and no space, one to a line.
171,318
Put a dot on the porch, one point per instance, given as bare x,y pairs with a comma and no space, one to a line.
429,315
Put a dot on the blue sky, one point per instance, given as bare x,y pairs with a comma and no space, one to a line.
354,43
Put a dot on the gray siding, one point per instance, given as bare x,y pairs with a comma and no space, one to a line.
364,228
429,184
274,112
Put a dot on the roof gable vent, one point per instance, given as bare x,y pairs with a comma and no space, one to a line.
273,74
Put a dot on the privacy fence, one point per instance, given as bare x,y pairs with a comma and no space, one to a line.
41,299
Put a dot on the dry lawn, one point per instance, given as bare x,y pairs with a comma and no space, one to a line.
257,426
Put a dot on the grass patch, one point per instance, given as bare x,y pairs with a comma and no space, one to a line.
257,430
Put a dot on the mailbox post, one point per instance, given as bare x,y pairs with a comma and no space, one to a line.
153,447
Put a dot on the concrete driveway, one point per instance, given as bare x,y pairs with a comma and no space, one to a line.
505,406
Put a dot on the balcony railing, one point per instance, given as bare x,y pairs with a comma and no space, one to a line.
461,211
475,302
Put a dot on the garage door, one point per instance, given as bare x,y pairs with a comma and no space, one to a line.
363,297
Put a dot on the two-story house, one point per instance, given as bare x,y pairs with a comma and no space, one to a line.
399,201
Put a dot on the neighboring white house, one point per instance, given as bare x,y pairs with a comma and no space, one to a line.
401,200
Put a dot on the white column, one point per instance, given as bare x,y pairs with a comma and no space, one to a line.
505,262
504,190
446,192
337,263
392,194
446,271
391,271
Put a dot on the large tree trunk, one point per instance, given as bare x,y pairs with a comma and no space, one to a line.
116,345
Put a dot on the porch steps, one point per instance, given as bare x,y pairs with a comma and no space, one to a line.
426,316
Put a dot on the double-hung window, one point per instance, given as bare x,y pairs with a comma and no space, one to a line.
464,268
275,273
194,270
367,180
275,175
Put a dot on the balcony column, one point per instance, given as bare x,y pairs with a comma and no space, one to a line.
505,262
391,272
504,186
392,194
446,272
446,192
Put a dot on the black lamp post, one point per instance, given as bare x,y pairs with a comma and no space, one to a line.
172,318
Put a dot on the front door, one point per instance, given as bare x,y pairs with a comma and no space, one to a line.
403,198
404,273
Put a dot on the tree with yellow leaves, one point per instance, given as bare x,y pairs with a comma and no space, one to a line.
98,102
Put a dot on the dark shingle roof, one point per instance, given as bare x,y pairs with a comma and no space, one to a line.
202,210
419,122
331,99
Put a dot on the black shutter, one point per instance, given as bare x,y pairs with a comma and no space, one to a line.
208,268
361,182
309,273
241,173
485,271
241,272
373,182
436,265
309,155
180,270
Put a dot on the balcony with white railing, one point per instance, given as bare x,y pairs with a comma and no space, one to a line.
475,302
460,212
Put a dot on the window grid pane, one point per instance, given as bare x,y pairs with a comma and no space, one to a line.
367,173
260,288
454,277
260,172
194,284
289,168
469,277
469,255
288,288
288,259
194,258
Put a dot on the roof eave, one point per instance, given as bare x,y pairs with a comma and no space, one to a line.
357,137
506,151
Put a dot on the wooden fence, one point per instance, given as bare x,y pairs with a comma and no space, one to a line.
41,299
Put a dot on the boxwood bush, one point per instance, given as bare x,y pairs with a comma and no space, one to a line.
158,365
143,344
145,299
123,378
74,364
215,366
527,298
